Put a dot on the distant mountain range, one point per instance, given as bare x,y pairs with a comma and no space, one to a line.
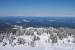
7,22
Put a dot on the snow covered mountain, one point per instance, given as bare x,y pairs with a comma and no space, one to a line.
39,38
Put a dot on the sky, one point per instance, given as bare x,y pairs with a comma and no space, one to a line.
37,7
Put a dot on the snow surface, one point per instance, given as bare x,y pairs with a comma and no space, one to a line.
42,44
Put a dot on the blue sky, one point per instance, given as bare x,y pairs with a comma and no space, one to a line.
37,7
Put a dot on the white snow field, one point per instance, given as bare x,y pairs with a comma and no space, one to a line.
32,40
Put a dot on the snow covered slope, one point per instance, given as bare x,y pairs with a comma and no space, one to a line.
37,39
